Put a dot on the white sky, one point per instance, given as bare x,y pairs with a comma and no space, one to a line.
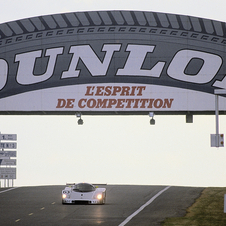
115,149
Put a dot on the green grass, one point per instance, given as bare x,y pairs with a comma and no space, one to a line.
208,210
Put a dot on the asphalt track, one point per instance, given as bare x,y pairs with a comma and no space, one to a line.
125,205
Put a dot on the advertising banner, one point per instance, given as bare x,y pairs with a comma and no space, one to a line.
111,61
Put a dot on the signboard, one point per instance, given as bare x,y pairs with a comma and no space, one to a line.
112,61
5,145
4,157
8,162
7,154
224,203
8,136
7,173
217,140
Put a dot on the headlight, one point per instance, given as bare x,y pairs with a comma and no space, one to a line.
99,196
64,196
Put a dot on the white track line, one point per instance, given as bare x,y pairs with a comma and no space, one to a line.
142,207
8,189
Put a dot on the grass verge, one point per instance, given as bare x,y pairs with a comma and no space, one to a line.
208,210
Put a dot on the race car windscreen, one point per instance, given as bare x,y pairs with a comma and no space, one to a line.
83,187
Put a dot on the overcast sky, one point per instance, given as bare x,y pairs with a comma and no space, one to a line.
115,149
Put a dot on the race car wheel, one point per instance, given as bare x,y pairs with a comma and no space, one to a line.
104,200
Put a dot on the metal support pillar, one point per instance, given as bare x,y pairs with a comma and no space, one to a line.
217,119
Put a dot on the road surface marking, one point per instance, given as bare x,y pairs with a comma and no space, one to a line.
53,203
8,190
30,214
42,208
142,207
17,220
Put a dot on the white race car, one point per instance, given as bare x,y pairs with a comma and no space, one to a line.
83,193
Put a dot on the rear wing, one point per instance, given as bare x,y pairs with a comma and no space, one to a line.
70,184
